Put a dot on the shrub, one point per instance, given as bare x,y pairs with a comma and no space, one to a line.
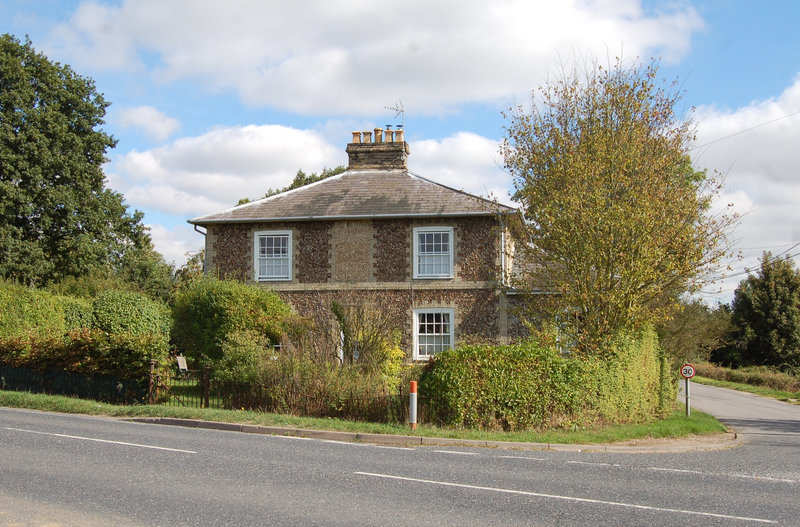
512,387
632,385
244,353
206,311
25,311
132,313
78,312
88,352
532,385
295,383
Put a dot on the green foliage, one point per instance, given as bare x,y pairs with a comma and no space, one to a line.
119,312
116,334
206,311
635,385
57,219
616,216
27,312
244,353
298,384
78,313
369,336
530,385
766,311
508,387
694,330
88,352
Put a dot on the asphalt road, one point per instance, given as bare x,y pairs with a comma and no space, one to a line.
70,470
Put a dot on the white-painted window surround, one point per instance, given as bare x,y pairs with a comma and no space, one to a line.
433,331
273,255
433,252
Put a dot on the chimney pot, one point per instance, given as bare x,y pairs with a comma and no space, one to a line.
398,135
367,137
389,135
378,135
356,137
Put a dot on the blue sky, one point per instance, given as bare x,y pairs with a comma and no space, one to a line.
214,101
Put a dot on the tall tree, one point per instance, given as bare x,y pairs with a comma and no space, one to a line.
766,311
616,217
57,219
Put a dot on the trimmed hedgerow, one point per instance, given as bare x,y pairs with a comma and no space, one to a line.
129,312
117,334
207,311
531,385
88,352
511,387
78,312
26,312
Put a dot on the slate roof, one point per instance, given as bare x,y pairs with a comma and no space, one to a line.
360,193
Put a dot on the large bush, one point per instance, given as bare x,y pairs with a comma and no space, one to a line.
117,334
533,385
28,312
132,313
207,311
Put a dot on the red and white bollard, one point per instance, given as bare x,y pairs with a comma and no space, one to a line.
412,405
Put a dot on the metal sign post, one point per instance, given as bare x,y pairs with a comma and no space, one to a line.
687,372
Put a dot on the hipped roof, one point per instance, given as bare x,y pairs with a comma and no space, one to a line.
360,193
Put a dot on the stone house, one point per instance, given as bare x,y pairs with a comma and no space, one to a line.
433,257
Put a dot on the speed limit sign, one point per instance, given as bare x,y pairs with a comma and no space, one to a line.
687,371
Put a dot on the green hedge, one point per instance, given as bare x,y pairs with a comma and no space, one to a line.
530,385
116,334
207,311
26,312
133,313
88,352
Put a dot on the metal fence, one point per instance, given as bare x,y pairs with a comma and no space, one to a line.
198,389
107,388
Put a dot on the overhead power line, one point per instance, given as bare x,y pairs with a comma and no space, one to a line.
717,140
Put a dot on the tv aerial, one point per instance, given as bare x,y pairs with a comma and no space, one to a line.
400,112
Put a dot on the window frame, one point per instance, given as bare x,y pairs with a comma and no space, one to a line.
256,257
416,253
451,312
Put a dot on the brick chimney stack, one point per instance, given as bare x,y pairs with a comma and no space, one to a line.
387,151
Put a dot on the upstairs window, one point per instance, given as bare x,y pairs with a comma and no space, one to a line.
433,331
433,252
273,255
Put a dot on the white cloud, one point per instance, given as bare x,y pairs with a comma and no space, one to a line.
152,122
352,57
200,175
755,147
464,161
177,243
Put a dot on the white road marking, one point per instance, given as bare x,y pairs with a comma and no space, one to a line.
742,476
524,457
594,463
458,452
567,498
123,443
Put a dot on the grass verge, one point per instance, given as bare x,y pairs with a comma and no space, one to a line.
677,425
787,397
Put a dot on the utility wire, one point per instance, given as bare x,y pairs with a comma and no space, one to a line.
745,130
